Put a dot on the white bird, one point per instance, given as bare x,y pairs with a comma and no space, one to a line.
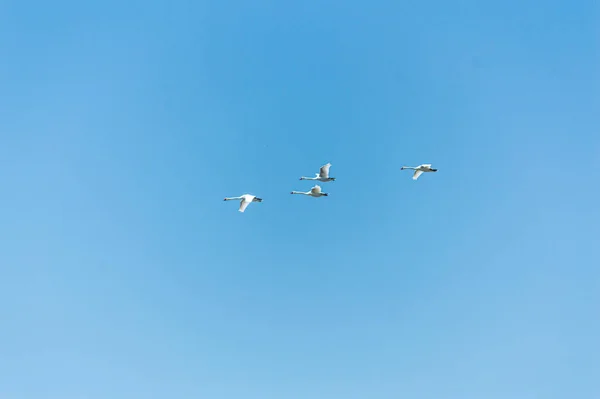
419,169
322,176
245,200
314,192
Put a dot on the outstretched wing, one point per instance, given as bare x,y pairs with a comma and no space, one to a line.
316,190
426,165
324,171
244,204
417,174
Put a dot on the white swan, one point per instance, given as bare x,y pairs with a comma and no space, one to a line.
419,169
314,192
245,200
322,176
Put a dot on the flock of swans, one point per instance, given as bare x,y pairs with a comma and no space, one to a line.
322,176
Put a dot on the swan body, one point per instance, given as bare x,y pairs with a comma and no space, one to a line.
314,192
322,176
245,200
419,170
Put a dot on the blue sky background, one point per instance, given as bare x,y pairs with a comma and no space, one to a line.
124,275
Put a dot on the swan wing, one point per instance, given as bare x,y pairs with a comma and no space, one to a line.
324,171
244,203
316,190
426,165
417,174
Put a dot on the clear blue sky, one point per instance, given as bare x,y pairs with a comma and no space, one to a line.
124,275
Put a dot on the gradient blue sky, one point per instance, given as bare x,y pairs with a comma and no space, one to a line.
124,275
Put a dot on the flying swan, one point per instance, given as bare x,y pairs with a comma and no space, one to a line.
314,192
322,176
419,170
245,200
